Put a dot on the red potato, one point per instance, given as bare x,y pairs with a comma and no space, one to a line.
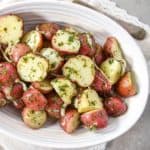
112,48
115,106
18,104
95,119
126,86
99,57
101,84
43,86
88,46
8,74
13,92
18,51
70,121
3,100
34,119
34,99
53,107
48,29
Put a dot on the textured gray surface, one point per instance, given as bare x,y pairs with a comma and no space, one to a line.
138,137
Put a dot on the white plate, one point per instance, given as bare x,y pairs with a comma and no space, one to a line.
51,135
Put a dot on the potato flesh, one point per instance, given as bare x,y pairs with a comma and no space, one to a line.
65,89
34,119
112,68
65,41
11,29
88,100
33,40
32,68
53,58
80,69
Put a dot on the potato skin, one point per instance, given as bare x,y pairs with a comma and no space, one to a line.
48,29
115,106
34,99
70,121
101,84
54,105
34,119
125,86
99,56
8,74
18,51
86,48
3,100
18,104
95,119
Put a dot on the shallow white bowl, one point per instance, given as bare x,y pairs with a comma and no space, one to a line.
51,135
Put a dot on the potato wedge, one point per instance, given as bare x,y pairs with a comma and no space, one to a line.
112,68
32,68
34,40
34,119
80,69
65,89
88,100
11,29
53,57
65,42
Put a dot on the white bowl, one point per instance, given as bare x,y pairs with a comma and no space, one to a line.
51,135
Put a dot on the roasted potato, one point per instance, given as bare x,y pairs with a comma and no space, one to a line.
99,56
34,99
34,40
53,57
34,119
80,69
70,121
11,29
65,42
18,51
112,68
54,105
43,86
3,100
88,46
32,67
8,74
65,89
126,86
48,29
115,106
112,48
88,100
95,119
101,84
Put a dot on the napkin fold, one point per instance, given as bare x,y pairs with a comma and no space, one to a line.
9,143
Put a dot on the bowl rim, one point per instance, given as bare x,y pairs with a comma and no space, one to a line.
93,143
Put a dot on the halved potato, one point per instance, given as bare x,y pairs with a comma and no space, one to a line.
80,69
32,68
112,68
64,88
66,42
88,100
34,40
11,29
53,57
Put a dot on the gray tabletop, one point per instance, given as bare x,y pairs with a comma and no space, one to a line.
138,137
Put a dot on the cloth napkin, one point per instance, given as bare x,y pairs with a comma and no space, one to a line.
8,143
